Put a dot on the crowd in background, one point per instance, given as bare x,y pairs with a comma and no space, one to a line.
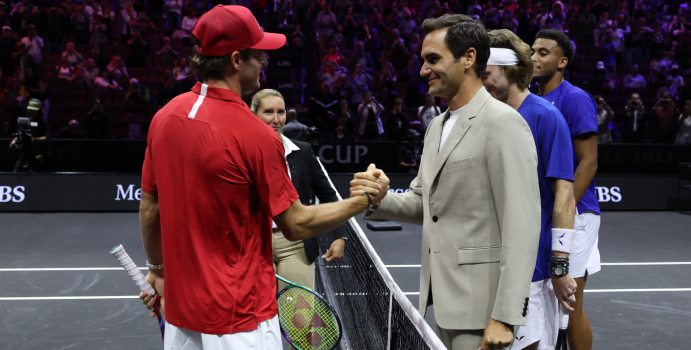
354,64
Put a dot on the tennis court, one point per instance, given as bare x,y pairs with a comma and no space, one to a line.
61,289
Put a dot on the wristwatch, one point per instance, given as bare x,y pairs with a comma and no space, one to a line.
559,268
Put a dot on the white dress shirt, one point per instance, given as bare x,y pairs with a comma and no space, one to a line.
289,147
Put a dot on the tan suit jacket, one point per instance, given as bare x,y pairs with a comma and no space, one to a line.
478,201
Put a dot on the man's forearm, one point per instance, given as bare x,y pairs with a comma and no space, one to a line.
564,208
583,177
150,226
304,222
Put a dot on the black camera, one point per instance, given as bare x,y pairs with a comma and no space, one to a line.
23,147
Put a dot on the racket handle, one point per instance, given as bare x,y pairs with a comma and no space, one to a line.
563,318
119,253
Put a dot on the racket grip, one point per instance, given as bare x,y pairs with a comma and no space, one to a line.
563,318
119,253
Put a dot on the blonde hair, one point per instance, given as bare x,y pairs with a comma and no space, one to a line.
260,95
522,72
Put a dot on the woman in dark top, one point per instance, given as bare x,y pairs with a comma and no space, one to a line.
167,88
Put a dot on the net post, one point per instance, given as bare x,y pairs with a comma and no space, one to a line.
388,342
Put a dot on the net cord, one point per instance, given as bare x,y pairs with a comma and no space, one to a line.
411,312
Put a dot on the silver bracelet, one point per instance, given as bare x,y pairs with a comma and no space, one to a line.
154,267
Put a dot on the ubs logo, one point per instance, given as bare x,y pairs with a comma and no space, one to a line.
14,194
608,194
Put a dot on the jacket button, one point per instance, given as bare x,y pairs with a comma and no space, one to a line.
435,218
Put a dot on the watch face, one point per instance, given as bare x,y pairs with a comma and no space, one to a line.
558,270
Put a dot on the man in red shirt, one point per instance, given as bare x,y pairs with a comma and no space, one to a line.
214,176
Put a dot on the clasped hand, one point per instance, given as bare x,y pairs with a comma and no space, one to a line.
373,181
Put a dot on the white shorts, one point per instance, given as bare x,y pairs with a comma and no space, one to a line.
542,323
267,336
585,256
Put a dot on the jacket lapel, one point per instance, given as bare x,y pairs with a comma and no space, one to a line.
294,168
460,128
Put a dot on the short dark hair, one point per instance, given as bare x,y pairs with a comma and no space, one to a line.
562,40
462,34
212,66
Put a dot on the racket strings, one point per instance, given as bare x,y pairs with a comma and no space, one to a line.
307,321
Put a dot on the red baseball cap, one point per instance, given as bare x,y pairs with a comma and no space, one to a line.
226,29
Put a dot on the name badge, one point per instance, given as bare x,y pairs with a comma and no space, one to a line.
34,124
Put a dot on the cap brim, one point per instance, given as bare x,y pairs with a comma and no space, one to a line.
271,41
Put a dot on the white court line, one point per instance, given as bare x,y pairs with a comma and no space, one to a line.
615,290
603,264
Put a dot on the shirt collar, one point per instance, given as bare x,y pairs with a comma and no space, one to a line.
218,93
288,146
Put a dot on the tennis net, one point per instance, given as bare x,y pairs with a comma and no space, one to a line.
374,312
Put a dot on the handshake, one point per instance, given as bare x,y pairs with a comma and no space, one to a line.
373,182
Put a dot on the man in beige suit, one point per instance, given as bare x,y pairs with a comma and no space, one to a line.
476,196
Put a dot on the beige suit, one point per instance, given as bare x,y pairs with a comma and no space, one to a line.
479,204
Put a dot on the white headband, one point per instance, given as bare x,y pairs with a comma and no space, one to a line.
502,57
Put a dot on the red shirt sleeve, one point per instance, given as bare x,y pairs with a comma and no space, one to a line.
267,165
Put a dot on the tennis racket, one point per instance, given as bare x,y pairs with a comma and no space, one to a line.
307,321
119,253
563,324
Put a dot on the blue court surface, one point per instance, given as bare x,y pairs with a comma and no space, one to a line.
61,289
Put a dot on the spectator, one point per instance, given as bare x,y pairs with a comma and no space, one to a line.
330,72
409,155
173,10
676,28
602,26
107,16
604,116
10,96
349,29
96,56
684,134
415,87
333,59
191,80
665,117
667,62
397,122
167,88
145,25
414,44
655,76
21,59
127,16
181,71
97,121
427,112
677,80
635,43
77,80
118,69
294,129
475,9
586,22
19,17
398,55
613,82
608,53
106,82
90,71
345,122
374,46
361,57
509,22
138,47
34,44
71,55
360,81
370,126
634,80
137,97
167,50
667,89
8,45
297,66
80,23
407,26
634,120
98,31
321,104
71,131
39,133
188,23
64,70
342,89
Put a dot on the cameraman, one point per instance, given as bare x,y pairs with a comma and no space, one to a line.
634,120
665,114
37,147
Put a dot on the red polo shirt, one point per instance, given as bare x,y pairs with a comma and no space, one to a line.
220,176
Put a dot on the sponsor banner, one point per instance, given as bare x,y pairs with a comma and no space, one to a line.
127,156
91,192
